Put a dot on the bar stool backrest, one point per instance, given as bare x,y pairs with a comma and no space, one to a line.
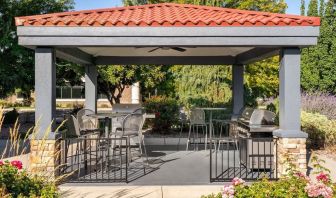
73,127
86,122
197,116
233,131
132,123
183,117
140,110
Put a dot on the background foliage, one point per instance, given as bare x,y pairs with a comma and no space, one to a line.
318,62
166,112
202,85
113,79
17,62
317,118
321,130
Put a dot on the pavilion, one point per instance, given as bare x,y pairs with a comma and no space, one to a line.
184,35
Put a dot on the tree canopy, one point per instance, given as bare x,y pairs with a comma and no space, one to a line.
258,5
113,79
319,62
17,62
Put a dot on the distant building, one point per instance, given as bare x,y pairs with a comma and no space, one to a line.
70,96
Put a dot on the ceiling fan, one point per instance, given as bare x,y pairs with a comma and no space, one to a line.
179,49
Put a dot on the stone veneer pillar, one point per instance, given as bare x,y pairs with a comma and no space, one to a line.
45,157
293,149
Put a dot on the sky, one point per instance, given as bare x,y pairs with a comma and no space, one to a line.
293,5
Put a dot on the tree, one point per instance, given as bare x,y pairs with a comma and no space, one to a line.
313,8
113,79
259,5
321,8
261,78
318,62
276,6
17,62
68,73
202,85
303,7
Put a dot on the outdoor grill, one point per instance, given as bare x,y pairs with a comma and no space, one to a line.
255,127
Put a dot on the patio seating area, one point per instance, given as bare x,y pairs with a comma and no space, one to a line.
197,159
247,144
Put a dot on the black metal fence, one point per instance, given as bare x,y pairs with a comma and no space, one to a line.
94,159
246,158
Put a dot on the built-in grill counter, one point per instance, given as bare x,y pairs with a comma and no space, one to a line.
255,129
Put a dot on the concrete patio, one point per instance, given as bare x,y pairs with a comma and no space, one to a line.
177,173
172,165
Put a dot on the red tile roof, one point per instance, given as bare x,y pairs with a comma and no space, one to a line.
166,14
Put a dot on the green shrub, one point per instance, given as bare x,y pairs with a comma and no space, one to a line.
321,130
6,104
3,103
166,111
15,182
11,117
219,195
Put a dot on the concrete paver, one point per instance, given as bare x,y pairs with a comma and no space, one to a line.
101,191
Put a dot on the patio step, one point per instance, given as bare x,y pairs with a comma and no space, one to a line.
126,191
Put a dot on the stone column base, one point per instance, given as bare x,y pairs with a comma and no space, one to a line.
291,151
44,158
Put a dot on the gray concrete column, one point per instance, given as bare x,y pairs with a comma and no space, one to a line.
45,92
91,87
237,88
289,94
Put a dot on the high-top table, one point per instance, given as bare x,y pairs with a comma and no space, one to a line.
210,110
109,116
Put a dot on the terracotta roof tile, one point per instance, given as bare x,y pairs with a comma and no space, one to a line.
166,14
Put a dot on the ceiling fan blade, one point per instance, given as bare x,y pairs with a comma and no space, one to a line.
154,49
178,49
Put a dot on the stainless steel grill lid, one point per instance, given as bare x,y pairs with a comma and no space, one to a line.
262,117
257,116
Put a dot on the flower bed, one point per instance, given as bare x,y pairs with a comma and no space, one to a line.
294,185
16,182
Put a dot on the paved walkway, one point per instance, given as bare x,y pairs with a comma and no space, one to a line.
330,164
107,191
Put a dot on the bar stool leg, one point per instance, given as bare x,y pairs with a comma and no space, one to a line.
178,144
188,141
206,137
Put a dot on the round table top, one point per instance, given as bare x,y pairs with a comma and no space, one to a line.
213,108
107,115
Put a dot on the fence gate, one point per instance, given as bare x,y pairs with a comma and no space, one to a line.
94,159
246,158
